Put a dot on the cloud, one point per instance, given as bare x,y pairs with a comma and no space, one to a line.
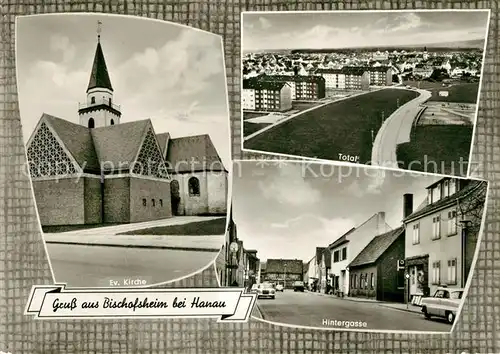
264,23
289,187
371,185
407,21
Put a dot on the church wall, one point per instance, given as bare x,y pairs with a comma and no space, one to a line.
60,202
150,190
192,205
93,199
116,200
102,118
217,188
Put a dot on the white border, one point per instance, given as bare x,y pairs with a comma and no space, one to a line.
229,141
278,13
385,170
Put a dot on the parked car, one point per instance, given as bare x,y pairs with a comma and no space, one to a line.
298,286
266,290
444,303
279,287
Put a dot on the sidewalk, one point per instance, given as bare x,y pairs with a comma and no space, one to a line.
207,243
392,305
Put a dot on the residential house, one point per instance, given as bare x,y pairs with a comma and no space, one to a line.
349,245
325,264
312,273
442,235
262,272
252,267
268,96
374,273
422,71
303,87
305,273
284,271
318,266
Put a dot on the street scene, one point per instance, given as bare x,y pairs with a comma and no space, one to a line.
355,247
129,170
407,81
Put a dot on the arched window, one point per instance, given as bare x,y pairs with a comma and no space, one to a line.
112,122
91,123
194,186
92,99
144,202
110,101
161,202
153,202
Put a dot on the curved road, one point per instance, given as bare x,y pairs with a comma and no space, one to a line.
396,130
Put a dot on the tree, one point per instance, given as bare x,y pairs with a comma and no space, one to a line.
471,206
395,78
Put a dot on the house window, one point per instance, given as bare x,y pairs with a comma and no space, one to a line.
92,100
372,281
355,282
366,281
452,271
336,256
344,253
153,202
445,189
194,186
91,123
436,273
144,203
416,234
452,187
161,202
452,222
436,227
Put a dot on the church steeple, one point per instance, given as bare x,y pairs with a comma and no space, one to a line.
99,110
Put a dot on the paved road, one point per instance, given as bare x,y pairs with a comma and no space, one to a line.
308,309
96,266
396,130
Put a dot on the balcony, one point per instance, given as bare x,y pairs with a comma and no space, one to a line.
100,102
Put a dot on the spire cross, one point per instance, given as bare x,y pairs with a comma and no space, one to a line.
99,29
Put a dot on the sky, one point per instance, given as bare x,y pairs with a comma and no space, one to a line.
286,210
172,74
359,29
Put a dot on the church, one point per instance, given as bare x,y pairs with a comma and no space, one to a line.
102,171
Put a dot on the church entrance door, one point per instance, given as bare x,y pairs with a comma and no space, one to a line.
175,197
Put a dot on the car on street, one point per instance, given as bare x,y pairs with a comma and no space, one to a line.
279,287
254,288
444,303
298,286
266,290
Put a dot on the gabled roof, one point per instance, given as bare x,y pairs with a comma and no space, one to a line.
263,84
163,139
462,193
376,248
193,153
99,76
77,139
118,145
342,239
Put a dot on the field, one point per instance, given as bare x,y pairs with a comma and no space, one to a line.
199,228
250,128
340,127
458,91
437,149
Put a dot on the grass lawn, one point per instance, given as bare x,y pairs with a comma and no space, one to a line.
250,115
462,93
65,228
250,128
302,106
437,149
199,228
340,127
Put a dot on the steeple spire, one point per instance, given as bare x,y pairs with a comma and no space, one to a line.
99,76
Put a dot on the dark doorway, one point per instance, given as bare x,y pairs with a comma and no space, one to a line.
91,123
175,197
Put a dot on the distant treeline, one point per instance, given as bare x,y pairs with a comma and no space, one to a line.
374,49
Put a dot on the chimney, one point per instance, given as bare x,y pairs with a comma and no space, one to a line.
381,226
407,205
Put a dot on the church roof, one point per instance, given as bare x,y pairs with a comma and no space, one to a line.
193,153
99,76
78,141
163,138
119,144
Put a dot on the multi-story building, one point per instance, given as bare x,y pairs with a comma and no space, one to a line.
318,266
423,71
252,267
284,271
380,75
312,273
348,78
302,87
349,245
268,96
325,265
374,273
441,235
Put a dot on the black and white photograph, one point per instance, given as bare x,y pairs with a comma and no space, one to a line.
397,89
353,247
126,127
